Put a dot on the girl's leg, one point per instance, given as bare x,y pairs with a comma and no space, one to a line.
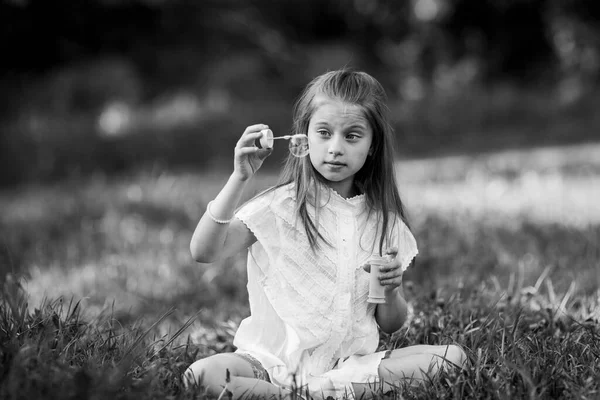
419,363
210,373
413,364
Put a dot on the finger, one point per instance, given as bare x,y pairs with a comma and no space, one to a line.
254,128
392,266
392,251
247,150
389,275
391,271
264,153
251,133
249,139
390,282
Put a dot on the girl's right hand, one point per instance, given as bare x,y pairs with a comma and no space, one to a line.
249,158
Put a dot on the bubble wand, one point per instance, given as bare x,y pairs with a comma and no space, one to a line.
298,143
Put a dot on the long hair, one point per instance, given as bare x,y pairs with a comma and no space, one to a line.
376,179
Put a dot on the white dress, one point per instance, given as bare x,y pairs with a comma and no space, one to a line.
309,311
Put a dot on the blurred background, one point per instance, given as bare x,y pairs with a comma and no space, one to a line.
118,119
109,85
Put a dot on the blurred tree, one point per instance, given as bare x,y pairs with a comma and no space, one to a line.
512,38
64,61
39,35
509,37
575,34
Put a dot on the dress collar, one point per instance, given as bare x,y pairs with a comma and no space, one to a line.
330,196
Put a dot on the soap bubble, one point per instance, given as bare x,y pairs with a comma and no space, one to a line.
299,145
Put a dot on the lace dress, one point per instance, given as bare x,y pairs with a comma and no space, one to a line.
309,311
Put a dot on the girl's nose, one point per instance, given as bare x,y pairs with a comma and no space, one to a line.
336,146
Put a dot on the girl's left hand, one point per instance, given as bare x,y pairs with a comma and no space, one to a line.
390,274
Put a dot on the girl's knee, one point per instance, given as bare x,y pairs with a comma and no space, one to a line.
455,355
207,372
211,372
196,373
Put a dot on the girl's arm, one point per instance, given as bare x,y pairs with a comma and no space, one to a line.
392,314
211,240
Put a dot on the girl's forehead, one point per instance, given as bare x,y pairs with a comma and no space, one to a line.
323,104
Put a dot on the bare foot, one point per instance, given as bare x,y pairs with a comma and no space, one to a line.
320,388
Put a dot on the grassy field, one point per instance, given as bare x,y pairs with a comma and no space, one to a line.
101,299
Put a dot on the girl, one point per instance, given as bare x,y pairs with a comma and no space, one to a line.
310,238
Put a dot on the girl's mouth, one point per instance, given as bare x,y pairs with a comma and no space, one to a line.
335,167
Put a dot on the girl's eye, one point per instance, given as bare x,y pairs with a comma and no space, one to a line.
323,132
352,136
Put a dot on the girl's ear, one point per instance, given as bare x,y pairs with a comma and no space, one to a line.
370,153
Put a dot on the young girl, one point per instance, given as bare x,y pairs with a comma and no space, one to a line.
310,239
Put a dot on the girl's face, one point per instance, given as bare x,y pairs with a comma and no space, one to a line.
339,138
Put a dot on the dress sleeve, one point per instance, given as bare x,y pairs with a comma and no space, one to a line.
407,245
256,214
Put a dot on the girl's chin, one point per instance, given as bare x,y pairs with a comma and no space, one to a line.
334,178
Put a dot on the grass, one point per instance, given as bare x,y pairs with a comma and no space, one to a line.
100,298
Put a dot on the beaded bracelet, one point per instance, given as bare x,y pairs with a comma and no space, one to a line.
211,216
